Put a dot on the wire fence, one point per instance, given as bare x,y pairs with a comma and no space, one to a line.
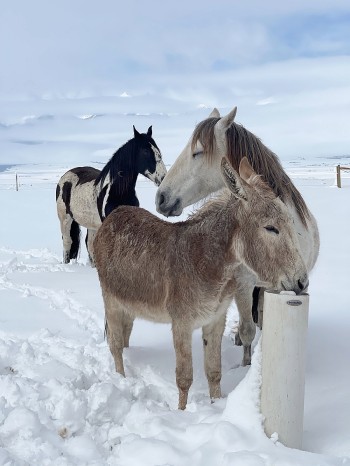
45,179
36,177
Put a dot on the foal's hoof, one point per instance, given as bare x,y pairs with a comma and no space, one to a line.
183,395
238,341
215,393
247,355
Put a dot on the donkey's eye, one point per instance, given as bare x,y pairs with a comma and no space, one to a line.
272,229
198,152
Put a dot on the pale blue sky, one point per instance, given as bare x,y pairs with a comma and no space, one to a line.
68,45
286,65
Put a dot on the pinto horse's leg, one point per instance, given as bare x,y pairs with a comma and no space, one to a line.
66,239
89,239
114,330
182,337
71,238
212,338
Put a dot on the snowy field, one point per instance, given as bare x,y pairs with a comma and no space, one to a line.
61,403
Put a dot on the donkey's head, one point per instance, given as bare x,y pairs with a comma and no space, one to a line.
149,158
265,241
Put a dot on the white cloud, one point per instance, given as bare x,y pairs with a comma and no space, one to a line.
285,64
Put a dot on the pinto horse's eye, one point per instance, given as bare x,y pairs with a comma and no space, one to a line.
198,152
272,229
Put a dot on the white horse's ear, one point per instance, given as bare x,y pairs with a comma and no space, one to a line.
149,131
136,133
227,120
245,170
214,113
232,180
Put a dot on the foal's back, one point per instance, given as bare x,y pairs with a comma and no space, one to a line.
131,236
170,265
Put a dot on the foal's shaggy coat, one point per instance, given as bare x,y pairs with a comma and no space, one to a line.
183,272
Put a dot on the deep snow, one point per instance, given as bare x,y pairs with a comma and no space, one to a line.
61,402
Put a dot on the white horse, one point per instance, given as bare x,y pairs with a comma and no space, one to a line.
181,272
85,195
196,174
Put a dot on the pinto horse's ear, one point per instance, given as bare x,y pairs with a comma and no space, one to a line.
136,133
149,131
214,113
232,180
227,120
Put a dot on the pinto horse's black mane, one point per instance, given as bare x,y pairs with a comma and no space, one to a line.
122,165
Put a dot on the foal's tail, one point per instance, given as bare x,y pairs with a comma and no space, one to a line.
75,237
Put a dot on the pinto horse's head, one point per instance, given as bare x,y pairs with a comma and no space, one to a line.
149,158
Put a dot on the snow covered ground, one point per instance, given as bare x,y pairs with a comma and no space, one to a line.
61,403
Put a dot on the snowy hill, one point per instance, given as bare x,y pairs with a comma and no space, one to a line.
61,402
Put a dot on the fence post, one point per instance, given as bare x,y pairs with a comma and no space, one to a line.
283,365
338,177
17,185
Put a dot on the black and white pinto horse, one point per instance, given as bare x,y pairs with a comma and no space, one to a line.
85,195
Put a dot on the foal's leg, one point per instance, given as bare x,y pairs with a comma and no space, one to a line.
212,337
114,329
89,239
182,336
128,323
244,301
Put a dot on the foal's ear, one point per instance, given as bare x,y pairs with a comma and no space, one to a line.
245,170
214,113
136,133
247,173
227,120
149,131
232,180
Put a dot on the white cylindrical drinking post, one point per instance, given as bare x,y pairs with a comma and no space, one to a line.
283,365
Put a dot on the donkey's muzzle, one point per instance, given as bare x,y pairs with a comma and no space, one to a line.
298,284
302,285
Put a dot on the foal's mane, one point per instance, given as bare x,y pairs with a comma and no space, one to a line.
240,143
121,167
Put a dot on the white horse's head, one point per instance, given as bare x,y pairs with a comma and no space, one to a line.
196,172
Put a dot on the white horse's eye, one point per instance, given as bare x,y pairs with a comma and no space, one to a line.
198,152
272,229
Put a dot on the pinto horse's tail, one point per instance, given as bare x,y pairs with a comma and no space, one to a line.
75,237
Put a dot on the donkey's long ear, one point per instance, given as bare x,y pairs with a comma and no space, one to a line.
245,170
247,173
232,180
136,133
227,120
214,113
149,131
